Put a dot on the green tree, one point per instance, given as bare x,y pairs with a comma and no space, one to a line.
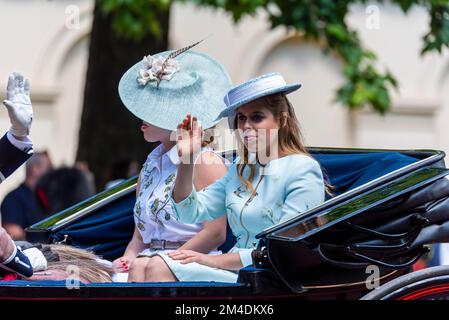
138,23
324,21
109,133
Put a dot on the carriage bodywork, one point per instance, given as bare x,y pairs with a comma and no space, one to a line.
385,207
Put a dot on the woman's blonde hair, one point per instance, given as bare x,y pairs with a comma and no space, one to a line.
91,270
289,135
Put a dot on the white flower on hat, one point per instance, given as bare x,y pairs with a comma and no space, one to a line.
154,69
161,69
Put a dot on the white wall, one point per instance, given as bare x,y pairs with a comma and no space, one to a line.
320,75
420,107
40,39
37,41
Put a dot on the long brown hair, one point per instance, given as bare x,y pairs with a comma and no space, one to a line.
289,135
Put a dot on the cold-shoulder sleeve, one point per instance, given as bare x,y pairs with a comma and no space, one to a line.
204,205
304,187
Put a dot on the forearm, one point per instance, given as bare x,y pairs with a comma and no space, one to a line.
135,246
11,157
7,245
183,182
134,249
227,261
15,231
204,241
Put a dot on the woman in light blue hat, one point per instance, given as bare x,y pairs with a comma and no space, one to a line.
162,90
273,180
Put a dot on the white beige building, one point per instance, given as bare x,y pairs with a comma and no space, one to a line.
48,41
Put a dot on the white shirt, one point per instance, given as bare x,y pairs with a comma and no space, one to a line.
153,211
25,145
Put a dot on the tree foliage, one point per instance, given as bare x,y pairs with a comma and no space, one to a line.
135,19
109,134
320,20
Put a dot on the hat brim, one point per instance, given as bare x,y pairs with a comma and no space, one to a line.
230,111
197,89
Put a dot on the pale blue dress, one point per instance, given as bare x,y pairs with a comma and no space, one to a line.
285,187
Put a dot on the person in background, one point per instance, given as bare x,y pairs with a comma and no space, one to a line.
19,209
62,188
120,171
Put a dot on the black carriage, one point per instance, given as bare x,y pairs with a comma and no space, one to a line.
386,206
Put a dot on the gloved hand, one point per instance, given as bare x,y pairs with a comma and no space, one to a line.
36,257
19,106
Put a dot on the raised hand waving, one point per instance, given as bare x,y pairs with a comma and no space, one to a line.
189,138
19,106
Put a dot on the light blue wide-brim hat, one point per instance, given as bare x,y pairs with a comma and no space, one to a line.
197,89
254,89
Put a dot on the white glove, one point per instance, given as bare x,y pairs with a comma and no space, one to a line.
37,259
19,106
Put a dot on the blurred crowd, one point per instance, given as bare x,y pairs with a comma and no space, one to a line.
47,190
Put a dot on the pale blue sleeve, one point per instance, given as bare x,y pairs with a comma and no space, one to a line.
246,257
204,205
304,188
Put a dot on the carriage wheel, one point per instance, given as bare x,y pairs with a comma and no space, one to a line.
426,284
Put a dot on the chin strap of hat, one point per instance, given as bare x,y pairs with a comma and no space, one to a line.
19,263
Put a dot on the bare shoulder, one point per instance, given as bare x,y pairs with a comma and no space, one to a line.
209,162
209,158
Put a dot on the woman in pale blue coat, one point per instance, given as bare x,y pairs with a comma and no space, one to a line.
274,179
